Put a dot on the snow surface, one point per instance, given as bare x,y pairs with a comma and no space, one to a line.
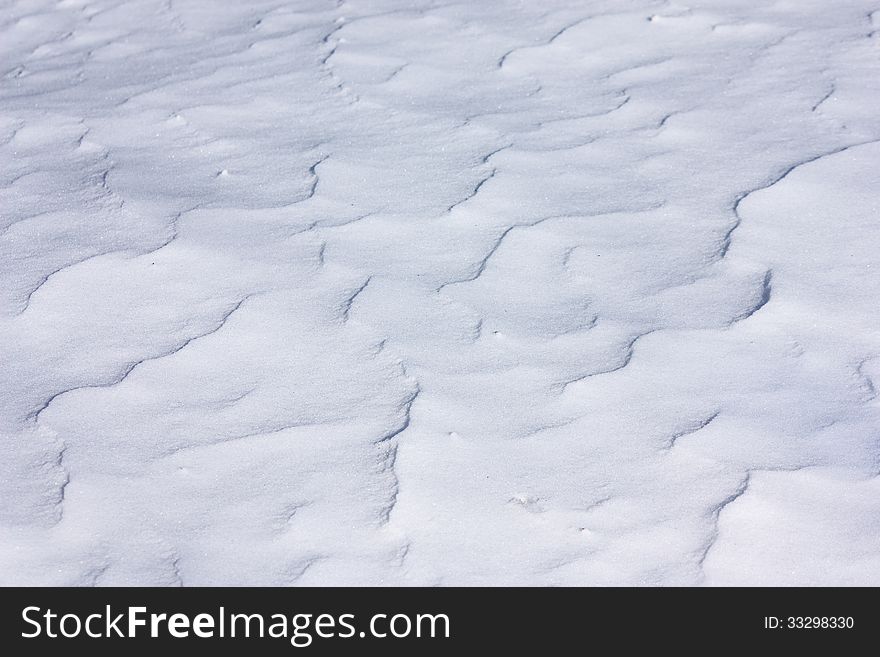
431,292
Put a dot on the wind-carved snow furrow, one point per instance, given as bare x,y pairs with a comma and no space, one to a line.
484,160
387,462
628,352
174,79
873,19
236,398
565,263
503,59
176,574
313,172
474,192
13,132
389,446
62,487
481,265
332,47
623,94
99,179
548,427
406,408
477,332
832,89
172,229
403,553
13,73
322,251
45,279
264,432
342,22
94,577
302,568
692,429
130,367
12,182
767,282
636,66
286,517
395,73
332,51
556,35
715,514
728,236
103,181
488,156
348,302
766,292
665,119
85,133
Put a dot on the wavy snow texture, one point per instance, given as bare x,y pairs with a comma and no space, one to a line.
438,293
